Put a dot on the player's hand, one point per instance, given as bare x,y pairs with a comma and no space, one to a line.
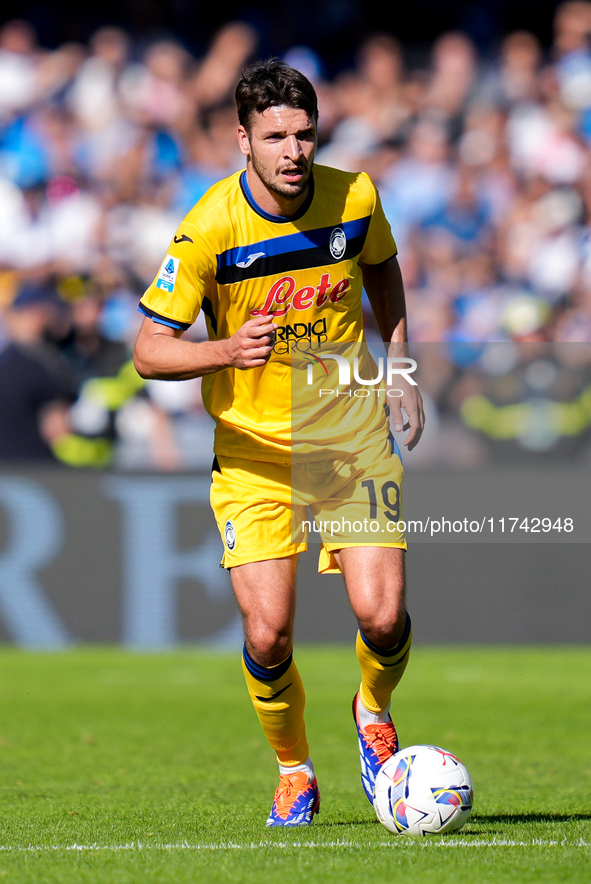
411,403
252,345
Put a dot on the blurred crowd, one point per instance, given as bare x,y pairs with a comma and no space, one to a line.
484,170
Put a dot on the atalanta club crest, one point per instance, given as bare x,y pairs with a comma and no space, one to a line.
230,535
338,243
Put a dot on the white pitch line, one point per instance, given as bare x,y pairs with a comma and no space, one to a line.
395,843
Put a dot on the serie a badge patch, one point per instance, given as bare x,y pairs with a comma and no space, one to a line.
168,272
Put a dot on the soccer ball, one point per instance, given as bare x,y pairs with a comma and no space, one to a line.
423,790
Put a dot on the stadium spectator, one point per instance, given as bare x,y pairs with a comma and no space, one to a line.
35,387
215,79
18,68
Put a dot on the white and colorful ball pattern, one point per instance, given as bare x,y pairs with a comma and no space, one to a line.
423,790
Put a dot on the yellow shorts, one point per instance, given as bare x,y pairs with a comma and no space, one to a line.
272,510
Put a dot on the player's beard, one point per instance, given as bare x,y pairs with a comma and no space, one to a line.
274,183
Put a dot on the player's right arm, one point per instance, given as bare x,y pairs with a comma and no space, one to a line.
161,353
177,294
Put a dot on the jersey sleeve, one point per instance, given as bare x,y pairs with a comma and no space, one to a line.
176,294
379,244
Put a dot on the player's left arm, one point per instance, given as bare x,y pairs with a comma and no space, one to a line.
385,290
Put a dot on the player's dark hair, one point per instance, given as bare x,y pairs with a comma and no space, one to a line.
273,83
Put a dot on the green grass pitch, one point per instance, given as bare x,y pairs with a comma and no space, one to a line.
122,768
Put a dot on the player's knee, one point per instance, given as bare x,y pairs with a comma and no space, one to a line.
268,645
384,628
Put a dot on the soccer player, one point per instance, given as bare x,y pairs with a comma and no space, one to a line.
281,246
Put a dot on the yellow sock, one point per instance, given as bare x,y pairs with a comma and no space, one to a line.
277,694
381,669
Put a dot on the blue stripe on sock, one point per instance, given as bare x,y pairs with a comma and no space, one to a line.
264,673
389,652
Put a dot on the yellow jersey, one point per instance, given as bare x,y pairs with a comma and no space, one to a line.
235,261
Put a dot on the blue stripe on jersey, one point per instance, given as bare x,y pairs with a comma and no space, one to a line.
163,320
394,446
294,242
